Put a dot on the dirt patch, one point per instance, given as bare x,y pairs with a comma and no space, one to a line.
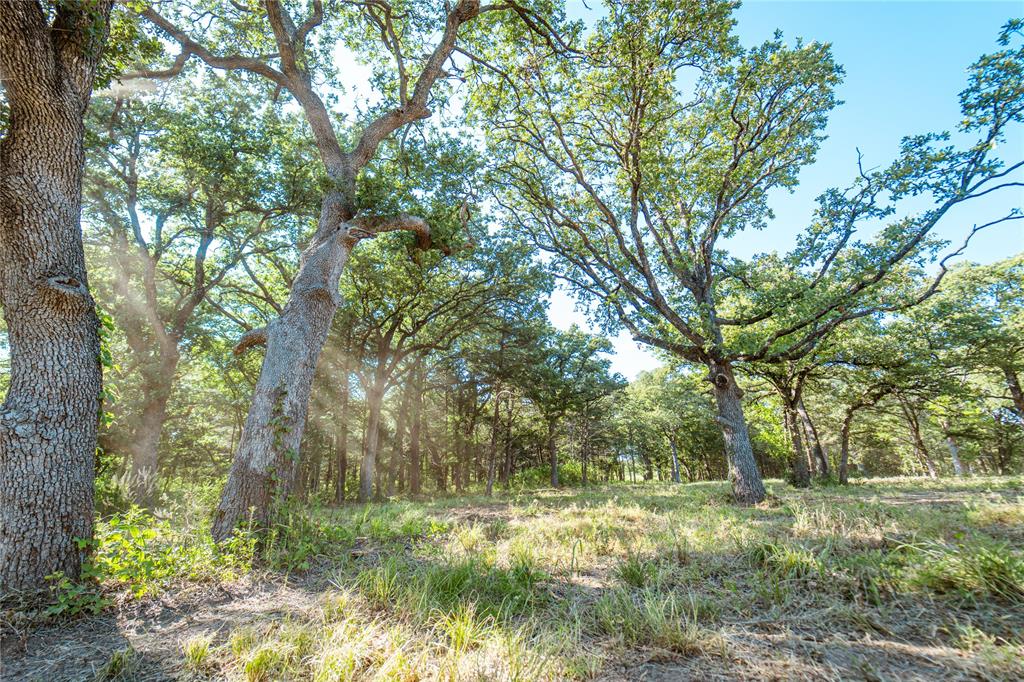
151,631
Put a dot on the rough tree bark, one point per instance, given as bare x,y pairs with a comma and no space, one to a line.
747,486
263,470
48,419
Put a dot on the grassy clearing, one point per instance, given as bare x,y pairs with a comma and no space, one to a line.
575,584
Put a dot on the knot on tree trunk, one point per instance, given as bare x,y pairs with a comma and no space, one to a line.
67,289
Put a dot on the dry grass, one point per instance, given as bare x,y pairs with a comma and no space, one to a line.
902,578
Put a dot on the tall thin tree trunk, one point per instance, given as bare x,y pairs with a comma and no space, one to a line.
813,440
920,449
844,448
747,486
552,452
415,467
585,450
380,471
801,477
49,416
368,465
492,455
341,437
395,460
954,450
508,469
157,386
675,460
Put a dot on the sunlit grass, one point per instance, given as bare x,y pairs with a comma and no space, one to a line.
556,584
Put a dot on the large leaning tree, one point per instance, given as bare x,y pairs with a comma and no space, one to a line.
292,44
49,55
637,163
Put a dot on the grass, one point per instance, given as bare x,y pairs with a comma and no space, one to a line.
565,584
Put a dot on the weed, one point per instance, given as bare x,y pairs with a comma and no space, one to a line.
786,562
463,628
636,571
197,651
121,665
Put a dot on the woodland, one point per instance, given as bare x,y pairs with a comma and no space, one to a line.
283,396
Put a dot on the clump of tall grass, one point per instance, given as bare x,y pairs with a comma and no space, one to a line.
974,571
197,651
636,571
786,562
657,619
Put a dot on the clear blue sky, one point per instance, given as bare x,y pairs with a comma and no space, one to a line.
905,64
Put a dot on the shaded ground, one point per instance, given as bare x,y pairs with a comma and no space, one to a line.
777,619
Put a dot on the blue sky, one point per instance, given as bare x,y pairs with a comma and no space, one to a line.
905,64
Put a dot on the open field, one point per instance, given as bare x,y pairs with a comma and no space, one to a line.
888,579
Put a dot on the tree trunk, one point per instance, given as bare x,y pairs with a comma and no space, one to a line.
493,451
263,469
801,477
813,441
508,469
379,471
157,386
844,449
675,461
919,446
1013,383
48,420
747,487
395,459
552,452
415,467
585,451
341,439
954,451
368,466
